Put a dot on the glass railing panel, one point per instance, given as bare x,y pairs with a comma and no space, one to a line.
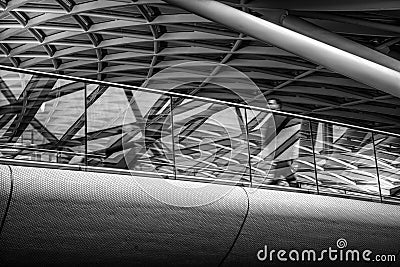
39,116
63,116
262,144
281,150
301,155
44,119
210,140
388,158
108,114
345,160
144,142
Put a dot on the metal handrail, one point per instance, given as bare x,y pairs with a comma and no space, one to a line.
174,94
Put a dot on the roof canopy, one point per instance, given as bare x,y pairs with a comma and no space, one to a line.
130,41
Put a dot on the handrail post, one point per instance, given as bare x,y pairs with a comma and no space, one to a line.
248,146
172,133
313,151
86,125
376,166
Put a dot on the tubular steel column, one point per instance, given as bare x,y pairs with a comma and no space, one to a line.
335,59
313,31
376,166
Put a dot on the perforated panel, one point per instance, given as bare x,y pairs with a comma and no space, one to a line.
285,220
65,217
5,184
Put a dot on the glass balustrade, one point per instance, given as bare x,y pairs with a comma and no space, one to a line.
388,162
69,121
344,159
209,140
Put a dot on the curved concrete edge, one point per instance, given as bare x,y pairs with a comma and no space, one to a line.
67,217
5,190
289,220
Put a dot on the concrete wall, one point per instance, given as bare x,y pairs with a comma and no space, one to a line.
67,217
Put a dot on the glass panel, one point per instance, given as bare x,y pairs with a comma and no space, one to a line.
388,157
262,144
345,160
108,112
301,153
44,119
146,141
39,118
210,140
281,150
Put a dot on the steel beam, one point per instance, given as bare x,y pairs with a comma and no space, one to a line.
385,27
333,58
313,31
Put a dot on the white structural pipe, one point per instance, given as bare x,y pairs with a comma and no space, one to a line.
313,31
340,61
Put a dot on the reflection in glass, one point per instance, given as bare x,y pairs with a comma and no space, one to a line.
39,118
107,112
345,160
146,140
280,150
388,158
64,121
210,140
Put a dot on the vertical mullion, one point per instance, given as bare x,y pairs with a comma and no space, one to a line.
313,151
86,124
172,134
376,166
248,147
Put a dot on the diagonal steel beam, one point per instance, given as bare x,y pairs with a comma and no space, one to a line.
6,91
80,122
335,59
30,106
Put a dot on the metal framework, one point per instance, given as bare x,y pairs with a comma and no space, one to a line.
130,41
